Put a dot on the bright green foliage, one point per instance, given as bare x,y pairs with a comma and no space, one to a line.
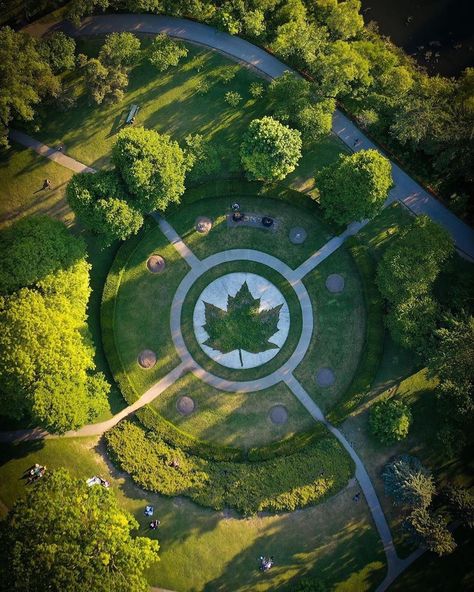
25,76
120,50
431,531
412,322
408,482
355,187
254,23
232,98
390,420
105,83
34,248
270,150
256,90
152,167
59,51
461,504
67,536
301,41
202,157
165,52
242,326
343,19
411,263
102,204
293,103
225,20
227,74
47,359
280,484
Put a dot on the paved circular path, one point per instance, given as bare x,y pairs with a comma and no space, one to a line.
241,255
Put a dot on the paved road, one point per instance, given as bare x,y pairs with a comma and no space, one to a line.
406,189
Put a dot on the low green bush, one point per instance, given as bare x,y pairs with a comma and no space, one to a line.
374,337
390,421
282,484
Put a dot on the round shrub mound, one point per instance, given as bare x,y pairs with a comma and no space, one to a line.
270,150
390,420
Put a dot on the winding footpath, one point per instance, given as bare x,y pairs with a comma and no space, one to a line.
405,190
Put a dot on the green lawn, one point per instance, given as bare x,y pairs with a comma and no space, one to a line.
232,419
205,550
169,102
23,172
339,331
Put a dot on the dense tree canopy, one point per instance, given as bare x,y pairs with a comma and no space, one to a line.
408,482
390,420
411,263
34,248
165,52
26,78
270,150
59,51
431,531
152,166
67,537
120,50
292,102
47,368
103,205
355,187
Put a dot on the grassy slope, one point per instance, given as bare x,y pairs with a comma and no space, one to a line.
205,550
233,419
339,329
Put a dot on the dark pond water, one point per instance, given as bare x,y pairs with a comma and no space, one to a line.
438,33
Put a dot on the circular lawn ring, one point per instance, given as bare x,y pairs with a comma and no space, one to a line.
335,283
203,224
298,235
278,414
185,405
147,359
155,264
325,377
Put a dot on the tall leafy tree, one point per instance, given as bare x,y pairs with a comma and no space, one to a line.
47,368
152,166
343,19
461,504
412,322
431,531
270,150
408,482
411,263
165,52
64,535
59,51
120,50
26,78
390,420
355,187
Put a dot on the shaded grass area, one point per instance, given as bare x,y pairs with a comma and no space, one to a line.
441,574
23,173
294,333
232,419
339,331
418,392
205,550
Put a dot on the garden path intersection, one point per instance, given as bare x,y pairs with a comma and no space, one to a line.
284,374
405,189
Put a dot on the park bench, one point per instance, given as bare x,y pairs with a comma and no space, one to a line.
132,113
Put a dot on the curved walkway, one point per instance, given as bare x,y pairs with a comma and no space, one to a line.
405,189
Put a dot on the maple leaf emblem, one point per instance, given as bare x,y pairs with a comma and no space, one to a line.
242,326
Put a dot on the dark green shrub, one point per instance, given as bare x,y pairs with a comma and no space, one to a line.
390,420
